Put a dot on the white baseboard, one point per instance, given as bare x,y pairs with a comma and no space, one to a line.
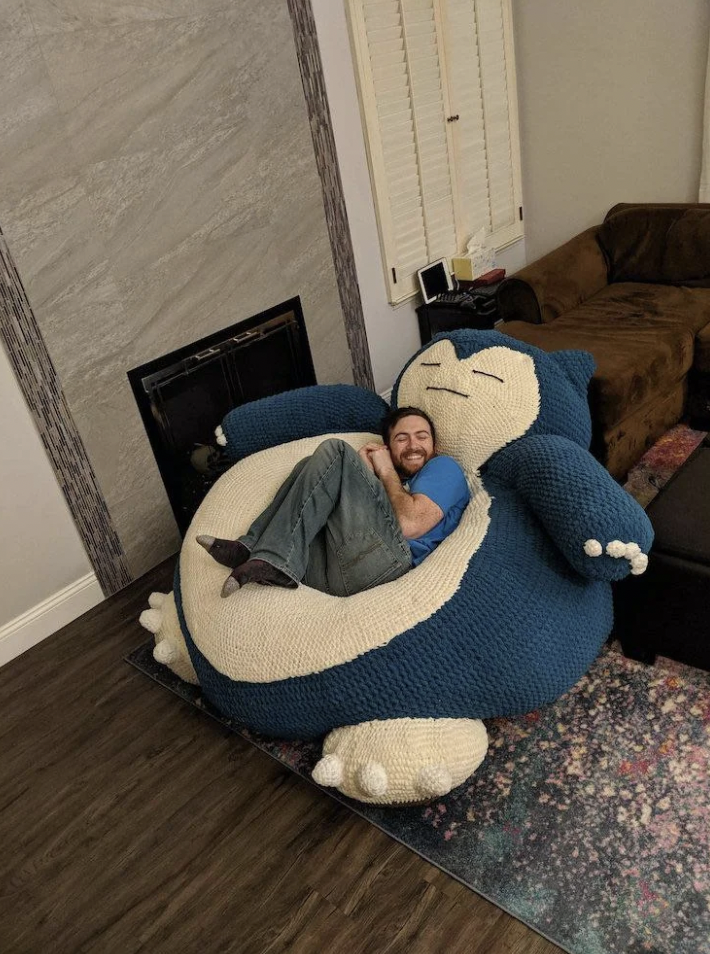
387,395
44,619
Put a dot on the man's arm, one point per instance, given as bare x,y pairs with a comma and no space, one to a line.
416,513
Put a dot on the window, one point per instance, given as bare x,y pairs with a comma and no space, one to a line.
437,91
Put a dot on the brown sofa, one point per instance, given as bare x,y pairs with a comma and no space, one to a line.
635,292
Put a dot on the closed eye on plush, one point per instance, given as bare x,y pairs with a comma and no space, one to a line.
431,364
473,371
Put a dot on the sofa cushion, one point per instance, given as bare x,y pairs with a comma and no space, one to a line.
641,337
658,244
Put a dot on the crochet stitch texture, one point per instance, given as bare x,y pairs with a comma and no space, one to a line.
505,616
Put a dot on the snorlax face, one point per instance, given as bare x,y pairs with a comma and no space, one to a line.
478,404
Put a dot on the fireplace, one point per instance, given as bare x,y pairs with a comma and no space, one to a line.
184,395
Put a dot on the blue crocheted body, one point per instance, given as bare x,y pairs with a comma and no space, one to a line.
472,659
303,412
531,611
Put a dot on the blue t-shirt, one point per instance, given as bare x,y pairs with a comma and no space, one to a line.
441,480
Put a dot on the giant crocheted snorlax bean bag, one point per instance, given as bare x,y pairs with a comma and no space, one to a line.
505,616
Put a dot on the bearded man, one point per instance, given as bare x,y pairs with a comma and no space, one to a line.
344,520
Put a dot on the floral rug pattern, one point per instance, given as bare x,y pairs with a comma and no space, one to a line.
661,461
589,819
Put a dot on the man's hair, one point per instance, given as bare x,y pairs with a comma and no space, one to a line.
391,418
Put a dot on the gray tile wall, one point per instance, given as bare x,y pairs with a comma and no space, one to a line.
158,183
47,402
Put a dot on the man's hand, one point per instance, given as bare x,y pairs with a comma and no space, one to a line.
378,459
382,462
364,455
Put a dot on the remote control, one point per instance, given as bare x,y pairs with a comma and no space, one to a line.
454,298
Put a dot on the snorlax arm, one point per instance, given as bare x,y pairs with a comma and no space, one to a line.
598,526
303,412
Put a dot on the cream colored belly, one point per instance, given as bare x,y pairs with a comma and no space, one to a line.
262,634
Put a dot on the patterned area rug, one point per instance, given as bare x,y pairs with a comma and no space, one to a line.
589,819
658,464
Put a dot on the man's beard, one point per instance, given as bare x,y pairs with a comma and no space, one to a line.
408,468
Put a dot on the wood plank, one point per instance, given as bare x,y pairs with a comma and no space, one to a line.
132,822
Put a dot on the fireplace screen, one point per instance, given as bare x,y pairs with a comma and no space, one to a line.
184,395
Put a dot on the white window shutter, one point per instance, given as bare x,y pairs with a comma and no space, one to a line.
387,104
404,108
496,110
463,68
481,82
418,62
427,93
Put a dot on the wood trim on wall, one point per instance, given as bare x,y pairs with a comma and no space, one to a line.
49,616
45,398
336,216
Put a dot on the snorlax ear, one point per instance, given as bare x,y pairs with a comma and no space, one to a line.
440,349
578,366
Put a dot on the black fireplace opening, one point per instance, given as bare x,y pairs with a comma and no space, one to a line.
184,395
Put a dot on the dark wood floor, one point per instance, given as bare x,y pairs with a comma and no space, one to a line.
131,822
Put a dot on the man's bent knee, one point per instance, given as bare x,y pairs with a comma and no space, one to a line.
333,447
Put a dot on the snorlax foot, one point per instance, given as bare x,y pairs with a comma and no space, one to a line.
170,650
401,761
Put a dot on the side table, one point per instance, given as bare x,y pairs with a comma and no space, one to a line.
481,313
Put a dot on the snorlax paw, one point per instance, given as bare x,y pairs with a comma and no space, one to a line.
401,761
638,561
170,649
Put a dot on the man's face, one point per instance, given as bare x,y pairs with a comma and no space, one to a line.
411,445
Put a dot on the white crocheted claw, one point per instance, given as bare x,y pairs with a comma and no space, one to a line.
221,436
400,761
638,561
434,781
616,549
170,648
328,771
165,652
593,548
373,779
152,620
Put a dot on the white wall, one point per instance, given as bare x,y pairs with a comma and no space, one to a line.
392,332
41,552
611,99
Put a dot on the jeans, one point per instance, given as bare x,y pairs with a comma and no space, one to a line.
331,524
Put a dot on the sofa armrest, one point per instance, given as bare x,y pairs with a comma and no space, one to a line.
555,283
